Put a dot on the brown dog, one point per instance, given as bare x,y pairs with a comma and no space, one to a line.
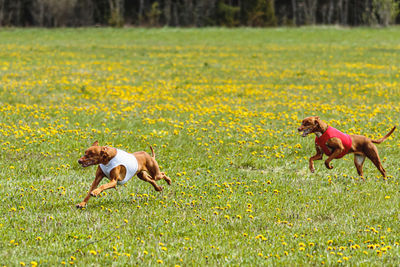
336,144
120,166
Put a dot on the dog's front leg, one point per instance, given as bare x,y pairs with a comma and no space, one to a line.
111,184
114,178
97,180
317,156
338,147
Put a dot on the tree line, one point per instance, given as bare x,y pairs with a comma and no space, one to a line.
197,13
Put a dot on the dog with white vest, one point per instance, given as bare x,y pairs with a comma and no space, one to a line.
119,167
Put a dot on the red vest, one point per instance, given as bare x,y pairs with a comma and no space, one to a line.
330,133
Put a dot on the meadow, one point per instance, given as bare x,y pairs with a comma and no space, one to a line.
221,108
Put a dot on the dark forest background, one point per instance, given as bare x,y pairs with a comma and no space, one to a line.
197,13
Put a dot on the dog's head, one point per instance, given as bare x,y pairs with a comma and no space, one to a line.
94,155
309,125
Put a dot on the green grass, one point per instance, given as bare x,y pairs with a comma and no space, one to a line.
221,107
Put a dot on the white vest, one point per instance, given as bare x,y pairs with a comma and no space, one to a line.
125,159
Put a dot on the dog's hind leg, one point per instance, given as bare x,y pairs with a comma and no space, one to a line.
162,175
359,161
147,178
372,154
154,170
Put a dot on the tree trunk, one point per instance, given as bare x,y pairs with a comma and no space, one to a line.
175,17
38,13
331,9
167,12
2,12
294,8
345,12
141,11
17,20
310,8
116,12
188,13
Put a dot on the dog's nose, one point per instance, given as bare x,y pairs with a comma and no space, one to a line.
79,161
299,129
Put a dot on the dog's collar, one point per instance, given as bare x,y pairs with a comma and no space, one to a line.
107,149
318,134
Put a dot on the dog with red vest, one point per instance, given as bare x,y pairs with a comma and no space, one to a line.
336,144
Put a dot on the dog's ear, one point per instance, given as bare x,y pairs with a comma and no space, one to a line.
96,143
103,152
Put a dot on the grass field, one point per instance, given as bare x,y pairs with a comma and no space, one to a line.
221,107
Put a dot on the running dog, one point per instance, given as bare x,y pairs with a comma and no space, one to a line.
120,166
336,144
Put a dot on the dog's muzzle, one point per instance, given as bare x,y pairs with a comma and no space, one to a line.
305,132
85,164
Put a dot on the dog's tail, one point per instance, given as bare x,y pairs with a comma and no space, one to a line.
385,137
153,155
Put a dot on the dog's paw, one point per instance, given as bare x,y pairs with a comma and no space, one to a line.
159,188
95,193
328,165
311,167
80,205
166,178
